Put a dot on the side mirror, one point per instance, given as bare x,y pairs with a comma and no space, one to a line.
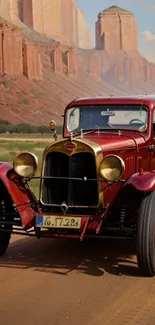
53,129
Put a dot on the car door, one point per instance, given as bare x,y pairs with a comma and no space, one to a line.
152,147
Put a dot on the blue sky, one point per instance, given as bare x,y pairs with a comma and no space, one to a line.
144,12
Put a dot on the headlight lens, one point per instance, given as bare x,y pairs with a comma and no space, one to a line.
25,164
112,168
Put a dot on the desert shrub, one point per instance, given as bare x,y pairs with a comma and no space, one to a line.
43,129
4,122
6,126
24,128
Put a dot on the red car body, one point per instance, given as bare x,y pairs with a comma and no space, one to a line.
117,208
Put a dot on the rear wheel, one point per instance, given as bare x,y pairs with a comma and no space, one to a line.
6,211
146,235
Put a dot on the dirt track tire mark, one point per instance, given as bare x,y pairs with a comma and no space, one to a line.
134,307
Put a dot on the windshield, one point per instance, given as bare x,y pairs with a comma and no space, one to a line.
128,117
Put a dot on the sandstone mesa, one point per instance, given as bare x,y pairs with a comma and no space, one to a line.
47,58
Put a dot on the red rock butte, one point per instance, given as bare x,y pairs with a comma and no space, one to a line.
116,29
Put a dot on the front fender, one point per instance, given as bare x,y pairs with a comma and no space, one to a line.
144,181
21,195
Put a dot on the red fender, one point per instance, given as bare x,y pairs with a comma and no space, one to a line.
20,194
144,181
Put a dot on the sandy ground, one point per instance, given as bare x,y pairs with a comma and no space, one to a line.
56,282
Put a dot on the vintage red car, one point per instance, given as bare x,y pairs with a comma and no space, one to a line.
96,181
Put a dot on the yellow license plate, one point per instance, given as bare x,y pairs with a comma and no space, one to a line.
58,222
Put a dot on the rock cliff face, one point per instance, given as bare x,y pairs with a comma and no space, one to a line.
84,32
43,75
116,29
18,57
9,9
58,19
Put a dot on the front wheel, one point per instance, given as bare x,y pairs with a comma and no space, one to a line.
4,240
146,235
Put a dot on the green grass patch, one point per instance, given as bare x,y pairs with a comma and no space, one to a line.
25,101
25,136
9,150
22,146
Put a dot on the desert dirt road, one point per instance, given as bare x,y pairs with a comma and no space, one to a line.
52,282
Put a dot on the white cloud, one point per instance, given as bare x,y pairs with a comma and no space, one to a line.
149,36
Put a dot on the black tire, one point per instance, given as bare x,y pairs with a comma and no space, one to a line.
4,241
146,236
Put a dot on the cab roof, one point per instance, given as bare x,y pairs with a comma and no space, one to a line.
135,99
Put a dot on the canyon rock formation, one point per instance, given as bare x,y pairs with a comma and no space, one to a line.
84,32
59,19
116,29
40,75
18,57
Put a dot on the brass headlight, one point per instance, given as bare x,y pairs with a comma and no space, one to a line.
25,164
112,168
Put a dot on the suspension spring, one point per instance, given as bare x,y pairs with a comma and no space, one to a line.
123,213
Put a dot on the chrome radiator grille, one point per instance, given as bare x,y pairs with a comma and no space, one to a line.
73,192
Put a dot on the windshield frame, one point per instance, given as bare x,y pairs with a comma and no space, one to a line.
66,132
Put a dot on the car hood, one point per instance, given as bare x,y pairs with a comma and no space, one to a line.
114,141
